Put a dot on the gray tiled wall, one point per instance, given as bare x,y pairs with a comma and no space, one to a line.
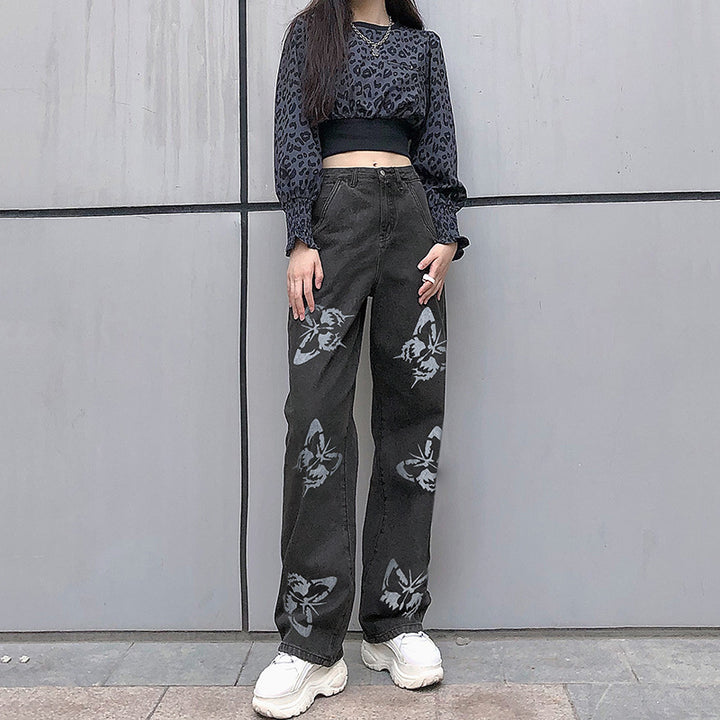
577,482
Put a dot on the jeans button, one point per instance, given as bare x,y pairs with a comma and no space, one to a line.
382,172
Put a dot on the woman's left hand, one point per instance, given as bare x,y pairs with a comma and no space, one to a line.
436,264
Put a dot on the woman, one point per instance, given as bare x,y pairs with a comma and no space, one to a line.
366,172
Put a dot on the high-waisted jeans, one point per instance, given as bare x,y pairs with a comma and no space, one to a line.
372,226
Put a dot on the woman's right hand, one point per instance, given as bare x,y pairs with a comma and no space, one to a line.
304,263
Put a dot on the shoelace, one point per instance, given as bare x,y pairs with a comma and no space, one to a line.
283,657
417,633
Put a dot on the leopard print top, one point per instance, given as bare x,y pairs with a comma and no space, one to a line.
408,80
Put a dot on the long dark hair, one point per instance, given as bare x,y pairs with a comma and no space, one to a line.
329,22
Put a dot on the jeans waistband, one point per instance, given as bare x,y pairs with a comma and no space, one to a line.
363,172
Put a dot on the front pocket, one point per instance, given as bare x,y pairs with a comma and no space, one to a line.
323,202
418,194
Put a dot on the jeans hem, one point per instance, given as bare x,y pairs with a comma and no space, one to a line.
309,656
393,632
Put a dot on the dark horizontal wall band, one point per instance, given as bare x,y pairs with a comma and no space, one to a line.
581,198
248,207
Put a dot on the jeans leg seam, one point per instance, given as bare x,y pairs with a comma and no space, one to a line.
351,564
351,559
381,483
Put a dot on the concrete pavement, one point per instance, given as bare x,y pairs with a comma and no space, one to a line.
633,674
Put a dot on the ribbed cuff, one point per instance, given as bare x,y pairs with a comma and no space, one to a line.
444,211
447,228
298,217
462,243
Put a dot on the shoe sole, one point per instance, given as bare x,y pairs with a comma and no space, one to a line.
329,683
378,656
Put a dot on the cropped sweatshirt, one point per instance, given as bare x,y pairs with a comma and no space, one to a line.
407,80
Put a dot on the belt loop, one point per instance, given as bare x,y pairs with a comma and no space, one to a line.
353,177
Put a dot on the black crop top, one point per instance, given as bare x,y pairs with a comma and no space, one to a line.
407,81
339,135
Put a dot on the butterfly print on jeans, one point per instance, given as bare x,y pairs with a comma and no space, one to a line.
321,331
401,591
317,460
422,468
425,350
302,599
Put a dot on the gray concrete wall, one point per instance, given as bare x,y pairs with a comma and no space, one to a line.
577,482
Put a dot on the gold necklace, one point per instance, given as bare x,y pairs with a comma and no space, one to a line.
374,44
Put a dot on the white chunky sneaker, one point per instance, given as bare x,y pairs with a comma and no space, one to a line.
289,684
412,658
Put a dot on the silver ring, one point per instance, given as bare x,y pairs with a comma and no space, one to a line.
428,277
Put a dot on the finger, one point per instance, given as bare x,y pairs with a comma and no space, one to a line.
426,296
307,283
291,298
299,300
319,274
427,260
298,308
293,304
427,284
434,272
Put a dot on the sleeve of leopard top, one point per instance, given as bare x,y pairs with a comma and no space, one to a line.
433,152
297,153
